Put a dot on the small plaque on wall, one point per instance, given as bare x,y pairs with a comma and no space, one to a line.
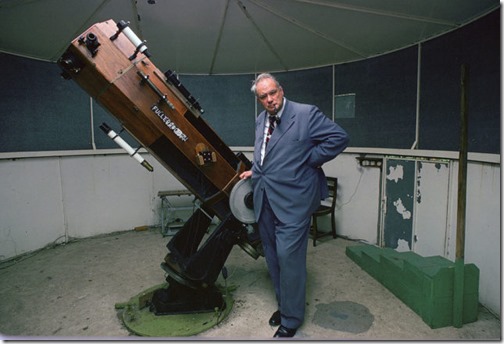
344,105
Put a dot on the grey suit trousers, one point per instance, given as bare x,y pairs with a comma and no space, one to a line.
285,246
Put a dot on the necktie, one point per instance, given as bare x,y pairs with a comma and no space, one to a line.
272,124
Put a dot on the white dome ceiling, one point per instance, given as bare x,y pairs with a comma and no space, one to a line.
239,36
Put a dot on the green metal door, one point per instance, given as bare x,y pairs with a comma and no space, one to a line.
399,204
415,205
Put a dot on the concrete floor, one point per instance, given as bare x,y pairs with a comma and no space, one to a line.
69,292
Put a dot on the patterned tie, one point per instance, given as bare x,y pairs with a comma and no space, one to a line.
272,124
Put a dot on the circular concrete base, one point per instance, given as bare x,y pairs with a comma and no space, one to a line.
141,321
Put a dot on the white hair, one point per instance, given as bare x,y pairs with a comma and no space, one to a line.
261,77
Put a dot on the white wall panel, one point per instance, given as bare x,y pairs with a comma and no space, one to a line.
103,194
483,236
31,207
48,199
358,200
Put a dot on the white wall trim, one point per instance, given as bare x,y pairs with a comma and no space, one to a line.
475,157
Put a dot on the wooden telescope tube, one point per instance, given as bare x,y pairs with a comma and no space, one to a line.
114,67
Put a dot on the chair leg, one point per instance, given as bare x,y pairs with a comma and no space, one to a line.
315,229
333,224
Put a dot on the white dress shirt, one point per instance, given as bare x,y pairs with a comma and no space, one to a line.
266,127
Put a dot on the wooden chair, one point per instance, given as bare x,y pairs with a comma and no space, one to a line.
326,208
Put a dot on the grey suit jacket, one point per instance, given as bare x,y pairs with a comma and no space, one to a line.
291,175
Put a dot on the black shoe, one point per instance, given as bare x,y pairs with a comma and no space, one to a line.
275,319
285,332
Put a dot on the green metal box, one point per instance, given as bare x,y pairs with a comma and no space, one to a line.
425,284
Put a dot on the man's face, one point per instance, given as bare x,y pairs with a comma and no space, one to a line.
269,95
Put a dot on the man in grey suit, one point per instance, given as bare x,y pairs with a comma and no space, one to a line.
292,142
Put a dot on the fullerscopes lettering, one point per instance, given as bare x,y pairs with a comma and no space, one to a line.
166,120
